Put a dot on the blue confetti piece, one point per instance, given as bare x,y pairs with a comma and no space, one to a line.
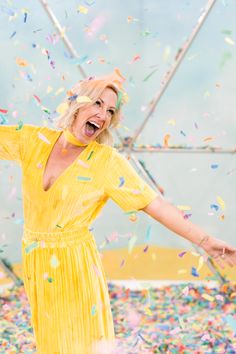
214,166
25,17
83,178
181,132
214,206
31,247
122,181
148,233
194,272
13,34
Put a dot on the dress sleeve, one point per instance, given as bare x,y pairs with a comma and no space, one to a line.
11,146
124,186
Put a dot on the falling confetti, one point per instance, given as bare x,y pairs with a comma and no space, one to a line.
54,262
122,181
43,138
83,99
84,178
221,202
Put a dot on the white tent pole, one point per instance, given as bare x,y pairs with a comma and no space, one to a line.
169,75
63,35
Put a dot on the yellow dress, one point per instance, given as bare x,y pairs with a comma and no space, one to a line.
63,274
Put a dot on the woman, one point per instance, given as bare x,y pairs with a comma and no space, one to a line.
68,175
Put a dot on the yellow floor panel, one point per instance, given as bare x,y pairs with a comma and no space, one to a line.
155,264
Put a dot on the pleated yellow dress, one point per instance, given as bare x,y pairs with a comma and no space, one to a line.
62,270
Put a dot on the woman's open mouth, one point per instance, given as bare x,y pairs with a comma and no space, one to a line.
91,127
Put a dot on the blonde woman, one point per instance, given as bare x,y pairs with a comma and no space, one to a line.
69,173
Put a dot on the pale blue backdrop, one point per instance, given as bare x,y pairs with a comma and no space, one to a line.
199,102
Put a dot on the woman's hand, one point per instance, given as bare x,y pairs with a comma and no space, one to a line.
220,251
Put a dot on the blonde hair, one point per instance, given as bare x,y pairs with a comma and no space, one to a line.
91,88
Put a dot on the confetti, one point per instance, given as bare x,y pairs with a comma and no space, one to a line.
90,155
82,9
94,310
43,138
83,99
229,41
194,272
82,163
149,75
131,243
31,247
122,181
221,202
83,178
62,108
148,234
21,62
54,262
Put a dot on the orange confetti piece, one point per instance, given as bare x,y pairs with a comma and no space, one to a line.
21,62
166,140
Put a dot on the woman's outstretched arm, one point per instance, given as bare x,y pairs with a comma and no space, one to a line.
169,216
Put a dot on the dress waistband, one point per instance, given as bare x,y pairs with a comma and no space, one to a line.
58,239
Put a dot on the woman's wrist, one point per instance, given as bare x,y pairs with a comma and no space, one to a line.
203,241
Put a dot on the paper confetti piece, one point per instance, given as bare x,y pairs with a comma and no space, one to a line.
214,166
149,75
84,178
3,110
50,280
229,41
184,207
208,297
145,249
60,90
82,9
82,163
43,138
122,263
214,206
20,125
31,247
182,253
62,108
148,234
200,263
166,140
172,122
54,261
194,272
135,191
83,99
221,202
90,155
94,310
21,62
131,243
122,181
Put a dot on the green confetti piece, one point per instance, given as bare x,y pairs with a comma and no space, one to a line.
90,155
31,247
20,125
50,280
57,225
149,75
131,243
119,99
82,178
131,212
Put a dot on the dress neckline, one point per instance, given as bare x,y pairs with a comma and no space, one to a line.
65,171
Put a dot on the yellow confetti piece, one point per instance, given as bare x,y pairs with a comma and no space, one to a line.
208,297
62,108
21,62
147,311
49,89
184,207
154,257
229,40
208,138
83,99
60,90
195,254
221,202
172,122
54,261
200,263
82,9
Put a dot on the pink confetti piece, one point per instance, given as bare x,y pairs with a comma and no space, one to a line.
96,270
83,164
43,138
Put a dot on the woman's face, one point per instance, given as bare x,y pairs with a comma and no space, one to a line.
90,121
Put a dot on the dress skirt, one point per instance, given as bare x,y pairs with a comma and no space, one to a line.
67,290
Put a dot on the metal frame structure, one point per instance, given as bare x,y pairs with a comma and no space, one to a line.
128,143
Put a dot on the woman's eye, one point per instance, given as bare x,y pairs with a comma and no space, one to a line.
98,103
111,112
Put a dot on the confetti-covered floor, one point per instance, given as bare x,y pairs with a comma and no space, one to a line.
177,319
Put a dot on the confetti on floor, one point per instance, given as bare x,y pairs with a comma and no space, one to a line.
173,319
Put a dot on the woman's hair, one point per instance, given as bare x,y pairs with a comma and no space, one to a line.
90,89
